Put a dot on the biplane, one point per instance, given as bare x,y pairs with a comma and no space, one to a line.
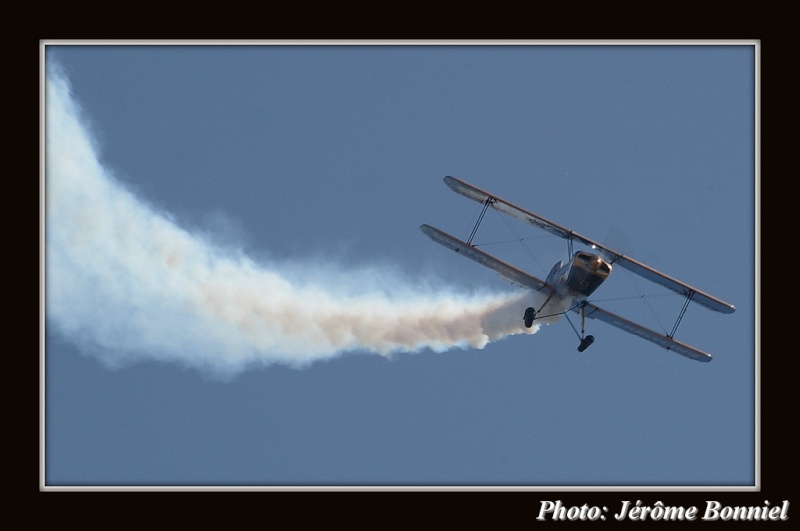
570,283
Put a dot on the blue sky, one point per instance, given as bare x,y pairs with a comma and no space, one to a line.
322,162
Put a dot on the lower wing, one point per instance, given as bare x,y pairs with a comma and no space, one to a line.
663,340
507,271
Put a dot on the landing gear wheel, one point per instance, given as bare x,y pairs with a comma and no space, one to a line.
530,314
585,342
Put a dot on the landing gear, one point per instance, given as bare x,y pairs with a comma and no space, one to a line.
585,342
530,315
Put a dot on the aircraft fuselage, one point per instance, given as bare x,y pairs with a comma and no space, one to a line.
581,276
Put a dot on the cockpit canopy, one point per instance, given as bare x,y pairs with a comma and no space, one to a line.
588,271
592,262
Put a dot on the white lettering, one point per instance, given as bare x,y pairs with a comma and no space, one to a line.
557,511
716,511
659,511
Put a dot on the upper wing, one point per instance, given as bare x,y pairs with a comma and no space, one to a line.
660,339
505,270
501,205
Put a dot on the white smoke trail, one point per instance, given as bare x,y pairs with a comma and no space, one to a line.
126,283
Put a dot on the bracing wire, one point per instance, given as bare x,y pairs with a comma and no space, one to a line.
521,241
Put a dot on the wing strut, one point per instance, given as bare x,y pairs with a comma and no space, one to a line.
680,316
486,203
